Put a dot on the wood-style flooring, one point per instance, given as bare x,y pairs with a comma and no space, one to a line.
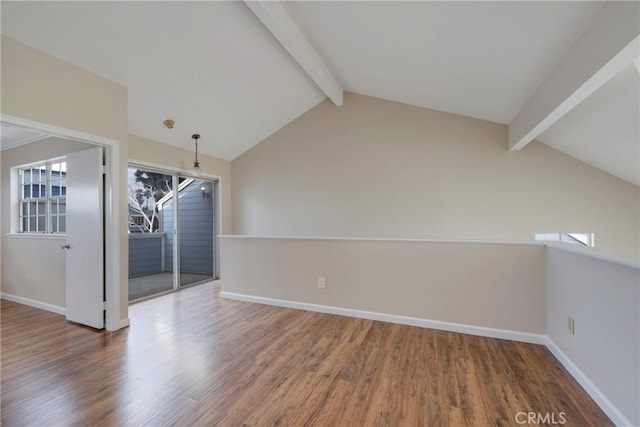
193,358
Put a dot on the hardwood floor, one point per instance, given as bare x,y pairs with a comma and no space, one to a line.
194,358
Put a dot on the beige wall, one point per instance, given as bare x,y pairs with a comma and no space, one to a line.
375,168
486,285
149,151
44,89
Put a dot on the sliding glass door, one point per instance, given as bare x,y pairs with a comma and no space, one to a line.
172,231
196,232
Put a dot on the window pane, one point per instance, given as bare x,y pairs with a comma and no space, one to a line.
62,223
38,190
37,208
41,188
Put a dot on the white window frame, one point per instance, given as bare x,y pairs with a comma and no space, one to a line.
47,200
583,239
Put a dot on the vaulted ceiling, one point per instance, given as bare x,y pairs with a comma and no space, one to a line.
236,73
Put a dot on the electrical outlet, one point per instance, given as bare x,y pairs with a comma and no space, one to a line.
572,326
321,282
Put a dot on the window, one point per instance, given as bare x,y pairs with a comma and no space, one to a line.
584,239
43,197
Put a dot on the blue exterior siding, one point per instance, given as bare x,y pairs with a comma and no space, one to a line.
166,225
196,229
145,254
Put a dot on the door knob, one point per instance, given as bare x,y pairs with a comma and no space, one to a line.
67,246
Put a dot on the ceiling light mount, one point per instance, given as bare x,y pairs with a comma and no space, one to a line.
196,163
169,123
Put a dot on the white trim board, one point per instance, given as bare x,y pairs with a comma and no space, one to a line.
586,251
124,323
383,239
392,318
162,168
35,304
591,389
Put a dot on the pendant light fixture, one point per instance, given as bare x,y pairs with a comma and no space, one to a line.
196,164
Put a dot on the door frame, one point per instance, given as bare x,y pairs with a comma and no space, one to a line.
112,238
216,189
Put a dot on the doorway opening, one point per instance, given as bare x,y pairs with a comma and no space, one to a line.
172,231
25,142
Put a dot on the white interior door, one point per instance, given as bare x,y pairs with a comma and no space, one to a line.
85,237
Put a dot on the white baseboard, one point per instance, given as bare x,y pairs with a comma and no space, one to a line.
33,303
605,404
48,307
392,318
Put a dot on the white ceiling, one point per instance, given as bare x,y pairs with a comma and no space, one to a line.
478,59
604,130
210,66
11,137
215,69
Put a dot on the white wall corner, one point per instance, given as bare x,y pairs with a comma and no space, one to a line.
601,400
35,304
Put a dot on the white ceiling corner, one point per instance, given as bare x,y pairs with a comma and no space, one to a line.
11,137
597,56
276,19
604,130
